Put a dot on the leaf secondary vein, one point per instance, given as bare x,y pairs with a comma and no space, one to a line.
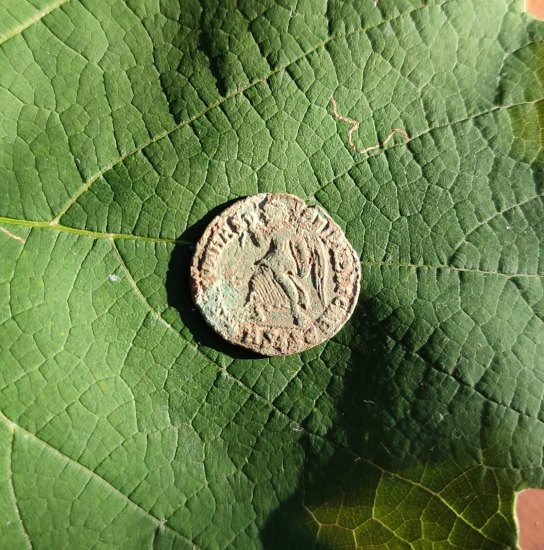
11,490
460,381
337,445
431,492
13,427
452,268
36,18
86,185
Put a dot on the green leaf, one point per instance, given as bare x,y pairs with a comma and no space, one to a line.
125,125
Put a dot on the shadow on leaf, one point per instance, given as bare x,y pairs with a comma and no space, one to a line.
399,419
179,292
309,519
364,482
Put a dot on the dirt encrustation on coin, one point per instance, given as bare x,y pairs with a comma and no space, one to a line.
274,275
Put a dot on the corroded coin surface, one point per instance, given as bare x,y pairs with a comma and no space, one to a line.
274,275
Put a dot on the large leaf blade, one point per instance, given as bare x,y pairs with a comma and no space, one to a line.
418,421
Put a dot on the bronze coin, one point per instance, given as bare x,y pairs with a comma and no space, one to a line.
274,275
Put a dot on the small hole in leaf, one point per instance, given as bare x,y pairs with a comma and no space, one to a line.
530,517
535,8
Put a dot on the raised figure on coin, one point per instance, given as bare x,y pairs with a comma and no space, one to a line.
274,275
284,277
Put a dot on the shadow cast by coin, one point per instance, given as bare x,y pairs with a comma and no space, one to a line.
178,289
395,420
329,465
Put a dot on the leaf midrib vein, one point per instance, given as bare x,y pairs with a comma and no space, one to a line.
36,224
370,263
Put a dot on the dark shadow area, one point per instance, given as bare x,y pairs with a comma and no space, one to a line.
360,422
392,416
398,412
211,29
178,289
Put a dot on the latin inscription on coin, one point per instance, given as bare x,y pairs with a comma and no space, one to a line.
274,275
